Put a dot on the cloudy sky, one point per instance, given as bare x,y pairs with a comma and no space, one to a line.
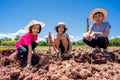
16,14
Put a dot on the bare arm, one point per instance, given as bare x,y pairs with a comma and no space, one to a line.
89,31
87,35
70,44
29,55
105,33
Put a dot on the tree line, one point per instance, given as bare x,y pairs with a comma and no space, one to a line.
11,42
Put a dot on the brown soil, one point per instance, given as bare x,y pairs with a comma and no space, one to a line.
79,65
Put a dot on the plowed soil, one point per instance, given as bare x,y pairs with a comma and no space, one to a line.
80,64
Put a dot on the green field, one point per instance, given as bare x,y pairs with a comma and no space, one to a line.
38,47
6,47
46,47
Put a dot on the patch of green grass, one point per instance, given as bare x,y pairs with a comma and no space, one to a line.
114,46
77,46
6,47
47,47
43,47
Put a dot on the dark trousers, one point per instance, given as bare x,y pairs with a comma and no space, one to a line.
62,47
23,51
100,41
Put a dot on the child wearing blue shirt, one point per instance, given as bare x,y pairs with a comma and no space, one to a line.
97,36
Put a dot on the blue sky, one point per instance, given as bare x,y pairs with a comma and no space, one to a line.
16,14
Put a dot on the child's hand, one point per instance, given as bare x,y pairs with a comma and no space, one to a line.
92,34
29,66
86,36
90,38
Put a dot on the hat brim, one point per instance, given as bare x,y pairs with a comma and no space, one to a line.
34,23
98,10
56,27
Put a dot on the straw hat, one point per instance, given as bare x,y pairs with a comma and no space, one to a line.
59,24
98,10
34,22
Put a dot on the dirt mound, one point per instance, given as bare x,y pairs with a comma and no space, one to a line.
81,64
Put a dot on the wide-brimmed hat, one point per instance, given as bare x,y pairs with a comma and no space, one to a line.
34,22
98,10
59,24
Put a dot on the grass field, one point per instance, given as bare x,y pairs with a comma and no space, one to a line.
46,47
38,47
6,47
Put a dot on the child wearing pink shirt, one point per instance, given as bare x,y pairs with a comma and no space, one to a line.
26,44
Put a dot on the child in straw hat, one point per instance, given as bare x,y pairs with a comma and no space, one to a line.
61,39
97,36
26,44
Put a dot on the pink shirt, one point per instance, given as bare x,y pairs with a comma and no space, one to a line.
26,39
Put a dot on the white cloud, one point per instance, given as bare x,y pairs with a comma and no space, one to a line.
41,39
118,36
21,32
114,37
74,38
12,35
